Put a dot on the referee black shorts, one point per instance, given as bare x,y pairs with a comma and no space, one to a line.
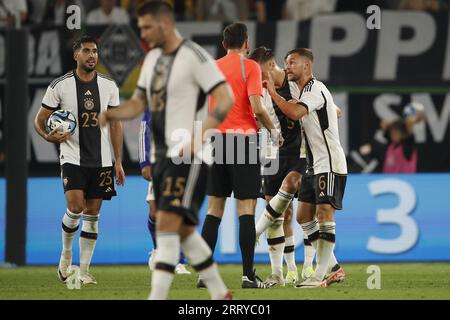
236,169
179,188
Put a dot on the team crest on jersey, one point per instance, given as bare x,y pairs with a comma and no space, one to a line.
88,103
65,181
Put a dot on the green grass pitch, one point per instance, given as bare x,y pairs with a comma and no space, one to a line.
398,281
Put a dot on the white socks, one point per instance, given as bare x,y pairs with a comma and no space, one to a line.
289,254
280,202
274,209
166,259
70,225
276,241
88,239
309,252
325,247
199,254
311,230
263,223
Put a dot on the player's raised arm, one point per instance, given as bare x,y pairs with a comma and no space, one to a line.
293,110
224,100
254,91
127,110
261,113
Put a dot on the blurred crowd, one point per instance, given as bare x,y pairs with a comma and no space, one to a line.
104,12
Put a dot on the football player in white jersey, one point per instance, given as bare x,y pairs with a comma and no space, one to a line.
175,79
87,169
323,186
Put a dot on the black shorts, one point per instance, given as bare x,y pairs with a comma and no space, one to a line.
323,188
272,182
97,183
239,172
179,188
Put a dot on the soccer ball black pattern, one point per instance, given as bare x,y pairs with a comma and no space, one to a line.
63,121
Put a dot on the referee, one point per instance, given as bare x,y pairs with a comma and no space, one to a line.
239,170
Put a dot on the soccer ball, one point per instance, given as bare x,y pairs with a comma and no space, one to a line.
63,121
412,108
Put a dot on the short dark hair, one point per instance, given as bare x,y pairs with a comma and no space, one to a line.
234,35
304,52
399,125
83,39
262,54
156,8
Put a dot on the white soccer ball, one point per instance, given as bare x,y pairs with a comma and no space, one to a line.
412,108
63,121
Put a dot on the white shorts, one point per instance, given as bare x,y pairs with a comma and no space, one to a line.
150,192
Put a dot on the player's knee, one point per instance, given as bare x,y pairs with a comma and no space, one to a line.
303,218
246,206
169,221
216,206
324,213
75,207
91,212
290,184
186,231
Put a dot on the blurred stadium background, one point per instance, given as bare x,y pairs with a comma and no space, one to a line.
373,74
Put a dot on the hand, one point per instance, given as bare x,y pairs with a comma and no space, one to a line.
365,149
269,84
276,137
57,137
120,174
147,173
281,140
103,118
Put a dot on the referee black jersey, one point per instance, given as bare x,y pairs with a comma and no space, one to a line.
89,146
290,129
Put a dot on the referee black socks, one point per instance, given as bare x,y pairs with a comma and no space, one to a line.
247,239
210,230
